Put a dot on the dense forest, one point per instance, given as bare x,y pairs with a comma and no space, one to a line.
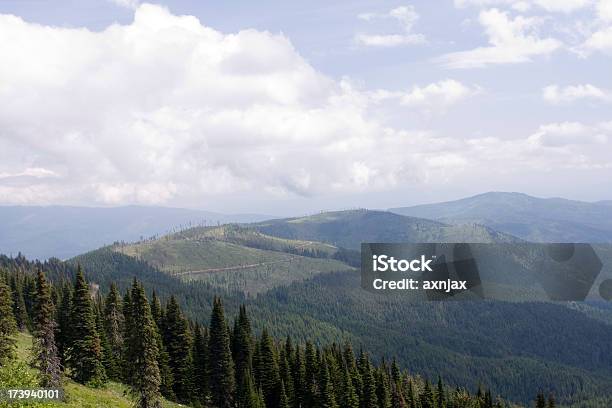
152,346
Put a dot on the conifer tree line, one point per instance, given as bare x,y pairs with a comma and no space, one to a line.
150,345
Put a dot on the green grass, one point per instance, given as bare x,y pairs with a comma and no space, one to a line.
78,396
236,258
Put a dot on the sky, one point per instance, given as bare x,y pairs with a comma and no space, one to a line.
295,107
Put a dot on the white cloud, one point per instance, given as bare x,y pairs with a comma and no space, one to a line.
130,4
434,97
512,40
560,6
406,16
604,10
389,40
36,172
600,40
165,110
569,133
559,95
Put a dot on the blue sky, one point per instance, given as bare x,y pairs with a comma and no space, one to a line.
284,108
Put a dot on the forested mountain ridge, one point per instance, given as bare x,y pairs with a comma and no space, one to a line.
349,229
530,218
151,346
234,257
489,343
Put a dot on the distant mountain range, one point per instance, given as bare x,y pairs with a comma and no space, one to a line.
63,232
529,218
349,229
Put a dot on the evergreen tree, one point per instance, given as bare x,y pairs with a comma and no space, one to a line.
249,397
310,375
327,398
298,373
200,363
382,389
62,333
397,398
285,371
178,343
19,308
242,345
156,310
46,355
368,397
141,346
8,327
128,324
440,396
411,398
85,354
283,399
427,397
551,401
540,400
350,398
269,379
113,329
221,367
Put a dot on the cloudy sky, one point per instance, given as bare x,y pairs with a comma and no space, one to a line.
287,108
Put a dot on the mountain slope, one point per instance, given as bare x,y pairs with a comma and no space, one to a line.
234,257
349,229
63,232
529,218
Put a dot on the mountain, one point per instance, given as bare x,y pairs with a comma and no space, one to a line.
232,257
349,229
530,218
515,348
63,232
303,289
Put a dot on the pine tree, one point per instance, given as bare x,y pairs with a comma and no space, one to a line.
327,398
128,325
141,346
368,398
19,308
46,355
269,379
242,345
427,397
249,397
310,375
62,332
221,366
283,399
397,398
200,363
285,371
540,400
298,373
382,389
350,398
156,310
85,354
113,329
410,397
551,401
440,397
8,327
178,343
